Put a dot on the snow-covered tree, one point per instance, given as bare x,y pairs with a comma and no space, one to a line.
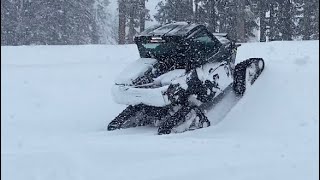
132,17
310,20
9,20
174,10
25,22
230,16
104,21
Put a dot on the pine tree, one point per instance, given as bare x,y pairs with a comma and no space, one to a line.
310,20
206,13
103,21
286,8
174,10
317,20
274,22
8,23
239,25
132,17
143,12
233,17
122,21
48,22
263,9
250,23
237,19
298,13
281,20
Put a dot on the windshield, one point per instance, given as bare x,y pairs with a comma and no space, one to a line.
155,50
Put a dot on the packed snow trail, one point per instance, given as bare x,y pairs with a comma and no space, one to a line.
56,102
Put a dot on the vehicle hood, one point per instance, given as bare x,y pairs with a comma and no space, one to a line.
135,70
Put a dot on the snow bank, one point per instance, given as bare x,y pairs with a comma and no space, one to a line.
56,103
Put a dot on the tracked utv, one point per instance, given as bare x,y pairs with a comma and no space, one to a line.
182,67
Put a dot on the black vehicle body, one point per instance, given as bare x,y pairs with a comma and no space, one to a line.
190,45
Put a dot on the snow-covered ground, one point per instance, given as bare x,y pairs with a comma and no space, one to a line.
56,103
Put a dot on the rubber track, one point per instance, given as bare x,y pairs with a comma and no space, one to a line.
239,84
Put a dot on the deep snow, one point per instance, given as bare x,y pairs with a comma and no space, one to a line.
56,103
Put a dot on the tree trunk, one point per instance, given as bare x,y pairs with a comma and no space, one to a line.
196,12
20,27
317,19
190,10
177,16
240,28
262,15
131,25
287,21
95,34
122,22
212,16
142,15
